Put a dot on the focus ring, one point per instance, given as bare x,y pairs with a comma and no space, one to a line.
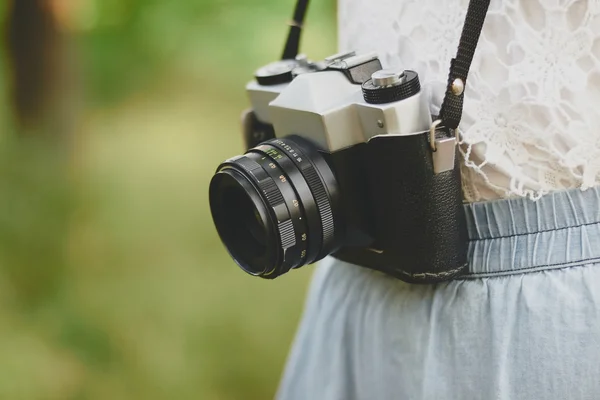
322,201
287,233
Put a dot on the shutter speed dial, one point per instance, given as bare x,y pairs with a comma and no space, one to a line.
390,85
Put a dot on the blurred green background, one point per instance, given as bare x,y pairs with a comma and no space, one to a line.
113,282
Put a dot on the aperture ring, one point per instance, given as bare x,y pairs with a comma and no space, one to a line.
303,200
292,230
271,192
315,184
263,180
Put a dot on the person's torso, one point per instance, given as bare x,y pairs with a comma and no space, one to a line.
530,122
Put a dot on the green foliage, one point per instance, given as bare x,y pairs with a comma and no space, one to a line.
33,220
131,41
113,282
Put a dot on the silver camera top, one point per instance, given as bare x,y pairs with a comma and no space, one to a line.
339,102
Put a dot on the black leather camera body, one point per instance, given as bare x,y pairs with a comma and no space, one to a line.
343,159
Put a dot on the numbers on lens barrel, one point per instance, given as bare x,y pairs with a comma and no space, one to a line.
273,166
282,179
295,203
303,254
304,237
289,149
274,154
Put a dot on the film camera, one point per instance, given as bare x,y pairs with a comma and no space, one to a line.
343,159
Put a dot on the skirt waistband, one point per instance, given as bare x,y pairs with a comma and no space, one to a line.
518,235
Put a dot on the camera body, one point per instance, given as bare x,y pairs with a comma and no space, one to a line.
343,160
328,109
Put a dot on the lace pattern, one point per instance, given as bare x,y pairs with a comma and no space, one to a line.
530,122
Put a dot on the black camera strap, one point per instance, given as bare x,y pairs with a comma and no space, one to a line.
292,44
452,106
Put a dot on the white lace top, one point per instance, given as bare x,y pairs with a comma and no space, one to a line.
531,121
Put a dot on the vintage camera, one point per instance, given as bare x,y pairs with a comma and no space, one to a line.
343,159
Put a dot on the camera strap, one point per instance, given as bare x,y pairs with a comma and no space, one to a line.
292,44
452,106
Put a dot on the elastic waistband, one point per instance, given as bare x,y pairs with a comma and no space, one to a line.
518,235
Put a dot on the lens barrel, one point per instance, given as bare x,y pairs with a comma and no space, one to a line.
276,207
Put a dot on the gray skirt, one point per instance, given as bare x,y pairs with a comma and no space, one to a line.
523,324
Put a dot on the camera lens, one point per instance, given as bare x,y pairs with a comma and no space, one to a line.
275,207
242,218
256,228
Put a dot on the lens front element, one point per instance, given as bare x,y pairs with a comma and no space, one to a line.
242,218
